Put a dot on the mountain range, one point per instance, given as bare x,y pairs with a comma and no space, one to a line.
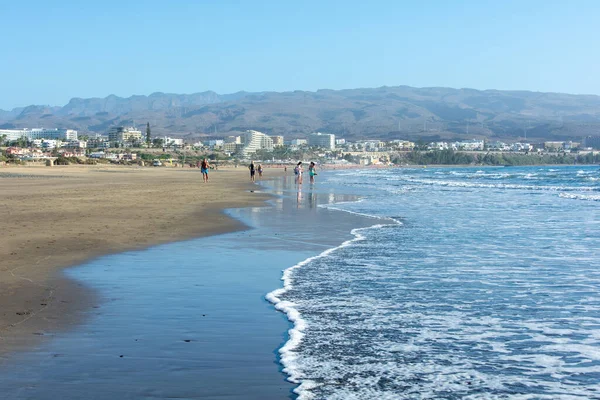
400,112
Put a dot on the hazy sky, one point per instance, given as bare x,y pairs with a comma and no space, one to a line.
55,50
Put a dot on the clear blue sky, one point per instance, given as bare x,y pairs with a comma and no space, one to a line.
55,50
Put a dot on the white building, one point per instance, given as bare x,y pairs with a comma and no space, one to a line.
233,139
96,154
39,133
75,144
470,145
438,146
521,147
172,142
121,134
498,146
50,144
254,140
216,143
324,140
298,142
402,144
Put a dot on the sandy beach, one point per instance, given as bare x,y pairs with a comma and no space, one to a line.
53,218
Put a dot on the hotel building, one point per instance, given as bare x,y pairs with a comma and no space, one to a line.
39,133
254,140
324,140
122,134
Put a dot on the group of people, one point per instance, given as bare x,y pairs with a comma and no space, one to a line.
204,166
254,169
298,170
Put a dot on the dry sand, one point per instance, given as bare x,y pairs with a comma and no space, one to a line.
53,218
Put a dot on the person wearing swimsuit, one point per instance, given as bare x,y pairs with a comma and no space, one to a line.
312,172
204,166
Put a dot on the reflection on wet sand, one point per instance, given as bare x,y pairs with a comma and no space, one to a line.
187,319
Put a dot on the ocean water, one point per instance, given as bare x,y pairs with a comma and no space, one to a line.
472,283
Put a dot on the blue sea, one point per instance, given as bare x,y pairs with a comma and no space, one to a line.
471,283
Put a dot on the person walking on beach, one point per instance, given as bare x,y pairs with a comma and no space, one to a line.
252,171
298,172
204,166
312,172
260,170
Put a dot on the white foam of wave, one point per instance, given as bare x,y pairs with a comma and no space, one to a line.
296,333
576,196
329,207
500,185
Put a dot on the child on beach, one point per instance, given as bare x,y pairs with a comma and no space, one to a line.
260,170
204,166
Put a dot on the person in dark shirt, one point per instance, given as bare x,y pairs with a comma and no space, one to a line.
252,171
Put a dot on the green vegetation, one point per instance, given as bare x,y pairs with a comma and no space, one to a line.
68,160
443,157
451,157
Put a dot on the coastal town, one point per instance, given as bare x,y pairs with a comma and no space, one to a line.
133,145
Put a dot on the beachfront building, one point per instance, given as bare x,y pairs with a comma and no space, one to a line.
498,146
438,146
233,139
121,134
324,140
403,145
469,145
172,142
39,133
232,147
554,146
71,152
215,144
298,142
277,141
371,145
254,141
521,147
50,144
75,144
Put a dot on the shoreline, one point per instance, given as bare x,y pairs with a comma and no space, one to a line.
61,217
188,319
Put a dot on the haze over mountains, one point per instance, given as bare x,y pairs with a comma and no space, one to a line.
385,113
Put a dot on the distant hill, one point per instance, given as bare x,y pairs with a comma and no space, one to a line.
401,112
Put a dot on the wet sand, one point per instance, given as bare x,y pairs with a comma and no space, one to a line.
187,319
53,218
